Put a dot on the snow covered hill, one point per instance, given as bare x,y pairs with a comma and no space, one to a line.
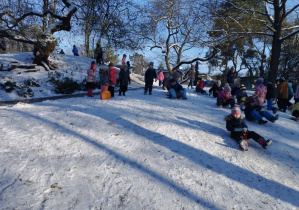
141,152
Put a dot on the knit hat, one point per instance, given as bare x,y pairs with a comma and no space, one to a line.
243,88
151,64
251,99
218,82
226,87
236,110
259,81
111,64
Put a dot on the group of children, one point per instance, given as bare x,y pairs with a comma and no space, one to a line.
108,79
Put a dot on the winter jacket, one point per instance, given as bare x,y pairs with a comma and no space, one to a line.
215,89
291,91
232,123
191,74
200,84
149,75
160,76
177,87
224,96
240,95
260,94
283,90
75,51
296,107
249,109
124,77
271,91
231,77
112,76
235,89
104,78
91,74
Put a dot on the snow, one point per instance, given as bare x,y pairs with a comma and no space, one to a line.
138,152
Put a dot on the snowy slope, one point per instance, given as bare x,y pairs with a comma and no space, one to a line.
142,152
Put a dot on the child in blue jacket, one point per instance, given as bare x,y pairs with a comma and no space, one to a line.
176,90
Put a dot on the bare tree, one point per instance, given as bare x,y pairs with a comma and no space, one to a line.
174,26
39,32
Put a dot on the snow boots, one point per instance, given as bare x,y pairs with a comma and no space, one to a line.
265,144
262,121
273,119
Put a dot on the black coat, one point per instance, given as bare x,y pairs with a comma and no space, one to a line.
124,77
149,76
231,77
215,89
271,91
249,109
232,123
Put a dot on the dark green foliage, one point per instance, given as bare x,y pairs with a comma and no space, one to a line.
66,86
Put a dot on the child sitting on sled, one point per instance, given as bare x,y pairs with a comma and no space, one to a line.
239,130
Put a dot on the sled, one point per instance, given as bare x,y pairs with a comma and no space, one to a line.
106,94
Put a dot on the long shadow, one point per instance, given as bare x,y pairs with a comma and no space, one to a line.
128,161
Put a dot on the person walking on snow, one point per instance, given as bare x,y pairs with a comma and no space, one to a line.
90,83
239,130
149,77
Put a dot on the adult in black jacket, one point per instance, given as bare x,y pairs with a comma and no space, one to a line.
231,76
149,77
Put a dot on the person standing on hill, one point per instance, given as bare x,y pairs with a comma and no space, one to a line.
161,77
191,76
75,51
149,77
90,80
104,78
270,97
231,76
124,80
283,95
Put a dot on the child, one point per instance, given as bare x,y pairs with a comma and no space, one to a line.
296,96
176,90
215,89
112,78
200,86
91,74
260,91
255,112
149,77
283,95
295,111
191,76
239,130
236,88
241,97
104,78
224,97
124,80
270,97
160,77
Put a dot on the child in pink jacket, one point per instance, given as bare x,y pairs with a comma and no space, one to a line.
260,91
90,80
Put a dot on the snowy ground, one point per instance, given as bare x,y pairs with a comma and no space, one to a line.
142,152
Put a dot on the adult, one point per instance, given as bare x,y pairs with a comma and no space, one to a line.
112,78
149,77
283,95
231,76
191,76
75,51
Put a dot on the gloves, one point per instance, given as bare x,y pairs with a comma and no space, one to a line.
238,129
245,129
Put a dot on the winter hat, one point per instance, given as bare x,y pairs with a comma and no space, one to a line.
151,64
243,88
218,82
236,110
237,84
259,81
111,64
251,99
226,87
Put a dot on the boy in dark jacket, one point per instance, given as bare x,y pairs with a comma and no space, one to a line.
239,130
215,89
255,112
149,77
176,90
271,96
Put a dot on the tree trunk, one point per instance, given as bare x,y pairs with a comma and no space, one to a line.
42,51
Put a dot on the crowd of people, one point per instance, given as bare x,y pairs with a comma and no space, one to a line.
232,94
